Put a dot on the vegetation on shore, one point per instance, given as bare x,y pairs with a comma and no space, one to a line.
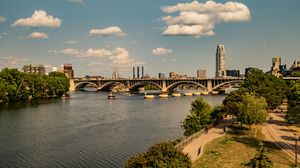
273,89
160,155
249,104
19,86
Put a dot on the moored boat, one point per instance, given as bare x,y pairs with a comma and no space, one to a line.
188,94
197,93
204,93
214,92
111,96
148,96
163,95
176,94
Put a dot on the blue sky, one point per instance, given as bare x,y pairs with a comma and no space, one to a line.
138,32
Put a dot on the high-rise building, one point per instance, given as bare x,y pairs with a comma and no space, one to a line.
201,73
220,61
142,71
275,69
68,70
138,72
233,73
34,69
161,75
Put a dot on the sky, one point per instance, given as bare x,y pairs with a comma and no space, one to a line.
162,35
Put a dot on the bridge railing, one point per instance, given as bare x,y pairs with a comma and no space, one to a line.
183,143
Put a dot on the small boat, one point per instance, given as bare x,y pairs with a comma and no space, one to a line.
148,96
111,96
204,93
163,95
65,96
188,94
176,94
214,92
197,93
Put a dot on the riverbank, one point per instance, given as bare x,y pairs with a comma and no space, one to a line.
235,149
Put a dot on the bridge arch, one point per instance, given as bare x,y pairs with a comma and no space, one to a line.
83,84
238,82
107,85
174,85
144,83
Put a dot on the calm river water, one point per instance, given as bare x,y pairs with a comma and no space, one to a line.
88,130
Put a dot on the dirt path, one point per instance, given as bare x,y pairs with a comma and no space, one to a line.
195,148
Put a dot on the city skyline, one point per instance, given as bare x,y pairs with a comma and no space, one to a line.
96,36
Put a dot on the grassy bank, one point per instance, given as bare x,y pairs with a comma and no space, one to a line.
237,148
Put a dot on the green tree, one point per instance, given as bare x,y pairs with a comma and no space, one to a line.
161,155
295,74
198,118
268,86
17,86
217,114
14,82
261,160
252,109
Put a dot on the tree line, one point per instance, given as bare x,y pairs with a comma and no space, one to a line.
18,86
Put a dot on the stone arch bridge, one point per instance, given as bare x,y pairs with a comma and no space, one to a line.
165,85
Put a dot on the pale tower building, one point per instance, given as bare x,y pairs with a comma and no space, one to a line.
220,61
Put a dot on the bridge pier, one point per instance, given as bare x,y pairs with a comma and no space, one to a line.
164,87
209,86
72,85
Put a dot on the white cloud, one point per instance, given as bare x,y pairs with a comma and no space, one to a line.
12,62
87,53
199,19
38,35
2,19
38,19
94,63
114,30
71,42
118,56
77,1
161,51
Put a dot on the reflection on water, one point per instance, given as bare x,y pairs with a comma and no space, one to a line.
88,130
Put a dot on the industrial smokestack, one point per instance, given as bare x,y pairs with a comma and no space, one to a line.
133,72
138,72
142,71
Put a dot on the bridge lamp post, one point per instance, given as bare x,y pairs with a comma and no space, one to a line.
296,140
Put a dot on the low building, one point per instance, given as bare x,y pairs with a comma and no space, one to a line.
68,70
34,69
174,75
233,73
201,73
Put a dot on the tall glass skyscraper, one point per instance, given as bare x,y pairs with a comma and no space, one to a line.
220,61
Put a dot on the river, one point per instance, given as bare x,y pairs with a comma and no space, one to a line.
88,130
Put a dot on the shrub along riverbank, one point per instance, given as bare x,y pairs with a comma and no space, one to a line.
18,86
